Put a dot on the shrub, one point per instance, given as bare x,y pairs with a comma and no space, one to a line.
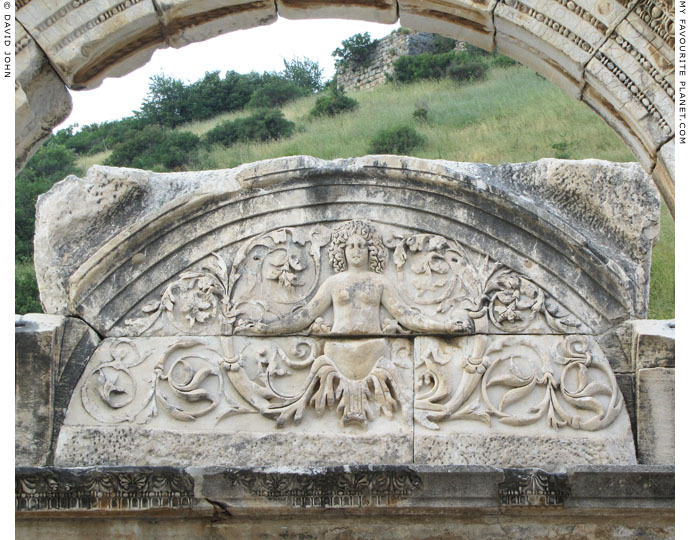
466,69
263,125
332,103
356,51
421,113
155,147
502,61
276,92
400,140
422,66
442,44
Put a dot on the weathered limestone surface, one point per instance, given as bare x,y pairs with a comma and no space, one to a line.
656,415
470,20
361,502
77,249
485,388
300,312
41,99
654,343
653,351
380,11
51,352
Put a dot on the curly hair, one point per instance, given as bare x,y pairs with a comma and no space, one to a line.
341,234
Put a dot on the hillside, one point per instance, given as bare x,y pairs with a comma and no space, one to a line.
513,115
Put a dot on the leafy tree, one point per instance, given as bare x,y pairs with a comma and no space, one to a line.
356,51
304,73
276,92
167,102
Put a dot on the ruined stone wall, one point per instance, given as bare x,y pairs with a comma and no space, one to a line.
388,50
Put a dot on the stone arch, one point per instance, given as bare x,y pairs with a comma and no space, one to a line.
615,55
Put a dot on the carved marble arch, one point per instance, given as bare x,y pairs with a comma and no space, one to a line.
479,260
615,55
372,310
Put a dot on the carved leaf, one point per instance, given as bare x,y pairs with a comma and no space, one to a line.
588,403
152,306
511,380
593,388
516,394
279,236
439,265
399,256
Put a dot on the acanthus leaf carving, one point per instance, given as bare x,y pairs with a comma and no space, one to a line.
275,286
518,381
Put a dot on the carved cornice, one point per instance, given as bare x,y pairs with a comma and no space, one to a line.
130,488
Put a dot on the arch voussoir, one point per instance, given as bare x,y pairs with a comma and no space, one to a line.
378,11
468,20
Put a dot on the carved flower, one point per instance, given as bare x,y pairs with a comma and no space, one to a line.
198,303
475,365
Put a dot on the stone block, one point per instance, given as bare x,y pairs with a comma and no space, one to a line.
242,401
565,33
656,416
189,21
88,41
464,20
518,401
41,99
50,354
646,112
654,344
382,11
617,345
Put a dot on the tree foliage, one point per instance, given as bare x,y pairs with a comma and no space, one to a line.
333,102
304,73
400,140
356,52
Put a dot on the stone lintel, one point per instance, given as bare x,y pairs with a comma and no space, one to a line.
374,490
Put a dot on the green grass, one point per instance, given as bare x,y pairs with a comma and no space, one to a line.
662,288
84,162
513,116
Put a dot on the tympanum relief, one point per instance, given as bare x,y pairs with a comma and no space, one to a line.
356,278
357,289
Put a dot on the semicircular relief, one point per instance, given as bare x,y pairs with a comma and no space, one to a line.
406,320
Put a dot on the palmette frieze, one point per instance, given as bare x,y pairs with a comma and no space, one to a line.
556,382
315,281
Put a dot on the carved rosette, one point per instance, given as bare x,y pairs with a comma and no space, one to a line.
277,273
